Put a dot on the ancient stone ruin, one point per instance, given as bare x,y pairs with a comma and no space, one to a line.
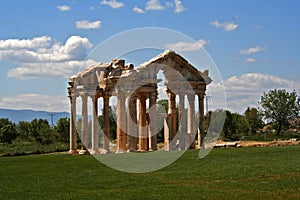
136,90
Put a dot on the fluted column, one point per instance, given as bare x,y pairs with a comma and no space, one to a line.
190,143
106,124
84,126
182,122
121,123
95,125
73,132
153,122
172,115
201,133
143,137
132,124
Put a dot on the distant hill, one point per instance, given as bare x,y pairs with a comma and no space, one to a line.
29,115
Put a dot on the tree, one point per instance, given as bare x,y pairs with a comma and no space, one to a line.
7,131
254,119
62,129
279,106
23,129
234,125
41,131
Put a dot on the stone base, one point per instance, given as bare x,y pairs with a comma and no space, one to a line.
73,152
93,152
105,152
120,151
84,152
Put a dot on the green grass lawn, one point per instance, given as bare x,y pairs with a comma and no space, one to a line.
237,173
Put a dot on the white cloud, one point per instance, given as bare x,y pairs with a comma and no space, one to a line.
114,4
16,51
250,60
154,5
245,90
85,24
178,6
14,44
138,10
227,26
64,8
49,69
36,102
43,57
187,46
252,50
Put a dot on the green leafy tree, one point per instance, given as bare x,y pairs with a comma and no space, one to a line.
7,131
234,126
279,106
254,119
23,130
62,129
40,129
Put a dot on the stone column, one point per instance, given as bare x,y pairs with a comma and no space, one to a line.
167,131
132,124
172,115
190,143
143,137
153,122
84,126
181,122
95,125
106,125
121,123
73,132
201,133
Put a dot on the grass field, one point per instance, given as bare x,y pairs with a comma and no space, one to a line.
237,173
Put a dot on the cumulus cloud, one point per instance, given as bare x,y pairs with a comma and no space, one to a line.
114,4
14,44
138,10
42,56
64,8
39,70
226,26
36,102
252,50
245,90
186,46
250,60
154,5
178,6
85,24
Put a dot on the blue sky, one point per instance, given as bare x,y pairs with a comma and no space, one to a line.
255,44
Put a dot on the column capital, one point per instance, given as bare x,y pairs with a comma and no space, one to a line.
170,91
200,95
153,95
142,95
191,97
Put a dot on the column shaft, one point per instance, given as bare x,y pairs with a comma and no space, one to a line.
132,124
182,122
143,137
201,133
172,115
153,123
106,124
121,123
190,143
73,132
84,126
95,125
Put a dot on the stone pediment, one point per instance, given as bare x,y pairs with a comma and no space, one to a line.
105,76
